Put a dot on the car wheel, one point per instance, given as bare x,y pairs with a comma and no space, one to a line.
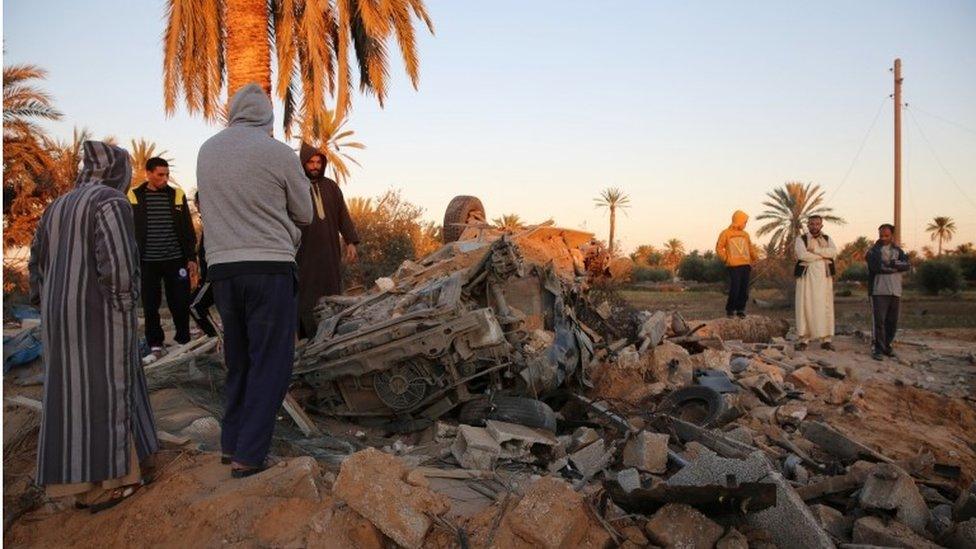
462,209
695,404
523,411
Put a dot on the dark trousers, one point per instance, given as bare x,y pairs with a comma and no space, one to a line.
884,310
174,276
258,312
738,289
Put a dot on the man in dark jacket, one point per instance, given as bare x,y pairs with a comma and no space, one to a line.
321,253
886,263
167,250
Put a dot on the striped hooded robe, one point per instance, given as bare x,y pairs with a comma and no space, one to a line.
84,275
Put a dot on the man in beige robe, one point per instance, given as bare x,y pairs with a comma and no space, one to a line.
815,253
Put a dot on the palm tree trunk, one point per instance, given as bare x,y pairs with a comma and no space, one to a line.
613,226
248,46
940,245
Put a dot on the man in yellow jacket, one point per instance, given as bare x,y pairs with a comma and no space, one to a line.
735,248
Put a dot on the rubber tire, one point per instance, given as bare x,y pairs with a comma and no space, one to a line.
523,411
713,401
457,212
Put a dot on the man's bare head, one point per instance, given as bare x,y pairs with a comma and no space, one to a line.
886,233
815,224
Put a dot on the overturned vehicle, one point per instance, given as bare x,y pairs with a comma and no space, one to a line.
490,316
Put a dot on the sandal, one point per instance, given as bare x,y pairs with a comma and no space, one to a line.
244,471
118,495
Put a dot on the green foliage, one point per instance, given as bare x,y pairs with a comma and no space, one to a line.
967,264
700,269
939,275
856,272
651,274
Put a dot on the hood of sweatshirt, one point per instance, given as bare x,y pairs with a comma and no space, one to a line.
251,107
739,219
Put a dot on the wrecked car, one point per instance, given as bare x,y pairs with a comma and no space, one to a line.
490,314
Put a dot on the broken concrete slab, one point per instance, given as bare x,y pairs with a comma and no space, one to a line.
875,531
682,526
807,379
647,451
516,441
889,488
475,448
854,478
372,483
551,515
837,524
764,387
790,521
581,437
670,363
838,444
629,479
341,527
591,459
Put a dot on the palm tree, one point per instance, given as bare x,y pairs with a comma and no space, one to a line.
509,222
787,208
612,199
208,43
25,157
674,252
943,229
141,151
334,141
856,250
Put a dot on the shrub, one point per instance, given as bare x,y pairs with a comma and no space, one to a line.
701,269
855,272
967,264
938,275
651,274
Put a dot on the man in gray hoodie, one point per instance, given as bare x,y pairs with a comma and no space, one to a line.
253,196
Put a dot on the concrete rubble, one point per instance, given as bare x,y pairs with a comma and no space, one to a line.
552,421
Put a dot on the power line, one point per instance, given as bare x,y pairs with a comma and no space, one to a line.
939,160
860,149
943,119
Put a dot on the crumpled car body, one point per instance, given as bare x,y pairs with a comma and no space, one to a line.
473,318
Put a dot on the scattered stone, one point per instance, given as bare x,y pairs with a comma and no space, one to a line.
962,535
836,443
551,515
941,521
591,459
808,379
791,414
733,540
742,434
583,436
558,465
629,479
341,527
670,363
648,452
385,284
965,507
873,531
772,353
789,522
889,488
739,364
474,448
764,387
774,372
833,521
372,484
712,359
839,393
444,431
682,526
654,328
628,358
634,535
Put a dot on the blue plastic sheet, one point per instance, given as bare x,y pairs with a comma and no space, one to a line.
21,349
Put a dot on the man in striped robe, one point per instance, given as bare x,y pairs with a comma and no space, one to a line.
96,424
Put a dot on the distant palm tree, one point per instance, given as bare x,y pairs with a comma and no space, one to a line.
856,250
942,229
360,207
141,151
612,199
208,44
787,208
25,156
509,222
646,254
674,252
334,141
964,249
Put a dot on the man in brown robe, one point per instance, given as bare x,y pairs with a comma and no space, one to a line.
320,254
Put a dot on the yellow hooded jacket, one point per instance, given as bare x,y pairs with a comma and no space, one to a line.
734,246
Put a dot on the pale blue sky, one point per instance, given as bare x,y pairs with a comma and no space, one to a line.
693,108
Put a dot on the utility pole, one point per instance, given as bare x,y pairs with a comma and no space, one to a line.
897,220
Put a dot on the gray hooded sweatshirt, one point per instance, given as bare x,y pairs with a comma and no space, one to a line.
253,191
